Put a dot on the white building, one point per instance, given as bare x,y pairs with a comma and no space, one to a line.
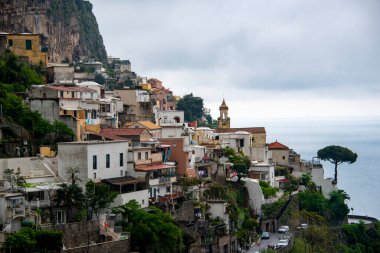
95,160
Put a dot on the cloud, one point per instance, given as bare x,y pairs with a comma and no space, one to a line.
241,49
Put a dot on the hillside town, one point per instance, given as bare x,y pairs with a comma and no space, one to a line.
96,158
130,139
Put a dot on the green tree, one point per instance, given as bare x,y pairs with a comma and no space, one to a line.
312,202
337,155
152,231
29,240
337,206
192,107
99,79
98,197
268,191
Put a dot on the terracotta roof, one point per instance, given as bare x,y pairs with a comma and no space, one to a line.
149,125
123,131
277,145
251,130
109,136
70,88
153,167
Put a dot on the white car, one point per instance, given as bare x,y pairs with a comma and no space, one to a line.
283,229
282,243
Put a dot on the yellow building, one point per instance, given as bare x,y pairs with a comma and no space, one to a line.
25,45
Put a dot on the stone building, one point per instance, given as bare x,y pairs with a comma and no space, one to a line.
223,120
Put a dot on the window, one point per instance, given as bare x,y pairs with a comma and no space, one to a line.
167,189
94,162
28,44
142,202
60,217
121,159
93,114
10,43
94,175
283,157
146,155
139,156
72,94
107,160
61,94
121,173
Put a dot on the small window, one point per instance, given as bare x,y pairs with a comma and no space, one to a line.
283,157
121,173
139,156
107,160
72,94
10,43
61,94
121,159
167,189
146,155
94,175
94,162
28,44
142,202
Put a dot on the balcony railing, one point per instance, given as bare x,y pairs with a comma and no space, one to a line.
164,180
39,203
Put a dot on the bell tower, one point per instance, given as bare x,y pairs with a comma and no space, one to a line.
223,120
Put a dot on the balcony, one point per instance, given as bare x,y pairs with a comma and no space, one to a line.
16,212
168,197
169,179
34,204
154,181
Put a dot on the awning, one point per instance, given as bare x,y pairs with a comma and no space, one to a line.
121,180
145,168
164,146
285,180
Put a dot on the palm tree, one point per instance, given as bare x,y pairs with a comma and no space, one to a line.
72,173
69,197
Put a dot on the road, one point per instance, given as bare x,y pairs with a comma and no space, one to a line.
263,243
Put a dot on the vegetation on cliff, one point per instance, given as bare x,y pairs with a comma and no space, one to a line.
17,76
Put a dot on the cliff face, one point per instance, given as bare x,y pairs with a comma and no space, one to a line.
69,27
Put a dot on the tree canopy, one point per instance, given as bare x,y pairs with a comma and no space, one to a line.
337,155
153,231
192,107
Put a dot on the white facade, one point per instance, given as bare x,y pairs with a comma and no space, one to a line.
265,170
142,197
256,196
318,178
169,118
239,141
95,160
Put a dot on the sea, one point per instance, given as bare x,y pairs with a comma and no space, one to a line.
361,180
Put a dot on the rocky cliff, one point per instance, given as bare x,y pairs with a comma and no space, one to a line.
69,27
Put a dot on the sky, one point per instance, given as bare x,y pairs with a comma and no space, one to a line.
275,59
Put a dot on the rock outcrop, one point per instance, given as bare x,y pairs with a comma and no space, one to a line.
69,27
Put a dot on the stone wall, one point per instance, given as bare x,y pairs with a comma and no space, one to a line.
79,233
105,247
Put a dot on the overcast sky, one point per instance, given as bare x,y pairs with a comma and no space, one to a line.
269,59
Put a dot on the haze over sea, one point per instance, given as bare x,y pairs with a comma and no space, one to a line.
362,135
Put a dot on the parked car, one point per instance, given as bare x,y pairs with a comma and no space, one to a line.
303,226
283,229
265,235
282,243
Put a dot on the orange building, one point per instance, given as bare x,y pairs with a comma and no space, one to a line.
26,46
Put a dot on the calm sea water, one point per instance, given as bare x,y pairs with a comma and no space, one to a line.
361,180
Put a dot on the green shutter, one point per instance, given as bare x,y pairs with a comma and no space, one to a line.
28,44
